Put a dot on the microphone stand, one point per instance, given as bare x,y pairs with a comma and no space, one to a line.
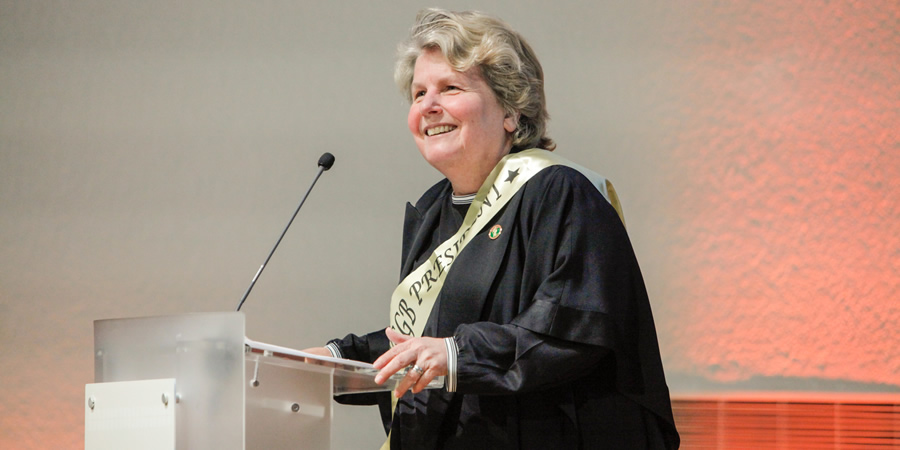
325,163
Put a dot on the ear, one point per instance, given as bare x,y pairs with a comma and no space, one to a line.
511,122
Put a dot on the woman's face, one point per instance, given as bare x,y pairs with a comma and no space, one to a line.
456,121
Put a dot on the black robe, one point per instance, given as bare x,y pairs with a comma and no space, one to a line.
557,346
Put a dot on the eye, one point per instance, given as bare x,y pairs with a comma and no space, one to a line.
419,93
452,88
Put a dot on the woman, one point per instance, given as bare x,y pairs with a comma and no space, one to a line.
520,285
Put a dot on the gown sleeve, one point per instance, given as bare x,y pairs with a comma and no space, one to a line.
366,348
507,359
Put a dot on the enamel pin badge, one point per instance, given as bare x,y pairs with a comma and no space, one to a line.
495,231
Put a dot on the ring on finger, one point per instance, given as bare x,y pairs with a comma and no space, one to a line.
418,369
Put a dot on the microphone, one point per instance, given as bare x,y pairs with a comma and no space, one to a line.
325,163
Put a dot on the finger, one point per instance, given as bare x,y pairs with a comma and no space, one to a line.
394,364
395,359
395,336
398,339
384,374
402,386
386,357
390,355
408,382
422,382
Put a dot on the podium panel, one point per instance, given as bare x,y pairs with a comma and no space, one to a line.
204,353
288,407
196,382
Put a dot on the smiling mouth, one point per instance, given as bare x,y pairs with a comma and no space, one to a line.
440,130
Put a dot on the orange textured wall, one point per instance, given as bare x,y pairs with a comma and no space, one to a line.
785,137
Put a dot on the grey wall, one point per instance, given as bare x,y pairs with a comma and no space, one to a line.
151,152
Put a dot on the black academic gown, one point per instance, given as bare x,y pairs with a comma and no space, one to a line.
557,346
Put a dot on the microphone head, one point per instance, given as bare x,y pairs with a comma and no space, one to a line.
326,160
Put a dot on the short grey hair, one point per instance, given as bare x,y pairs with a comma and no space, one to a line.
508,64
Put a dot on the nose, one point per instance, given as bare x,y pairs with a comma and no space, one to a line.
430,104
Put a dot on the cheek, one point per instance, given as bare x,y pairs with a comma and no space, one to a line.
413,120
481,118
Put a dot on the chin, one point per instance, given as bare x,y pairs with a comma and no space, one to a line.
437,156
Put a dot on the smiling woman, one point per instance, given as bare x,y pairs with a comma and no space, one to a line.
520,285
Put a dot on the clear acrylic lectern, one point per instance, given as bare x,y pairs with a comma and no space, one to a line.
194,381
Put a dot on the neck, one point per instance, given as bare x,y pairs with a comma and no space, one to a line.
468,182
466,190
468,178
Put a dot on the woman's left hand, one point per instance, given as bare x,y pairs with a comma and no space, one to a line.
425,353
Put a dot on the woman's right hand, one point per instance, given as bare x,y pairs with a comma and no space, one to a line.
318,351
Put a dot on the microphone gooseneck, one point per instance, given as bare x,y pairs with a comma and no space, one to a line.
325,163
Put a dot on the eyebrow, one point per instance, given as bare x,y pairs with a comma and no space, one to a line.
455,78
